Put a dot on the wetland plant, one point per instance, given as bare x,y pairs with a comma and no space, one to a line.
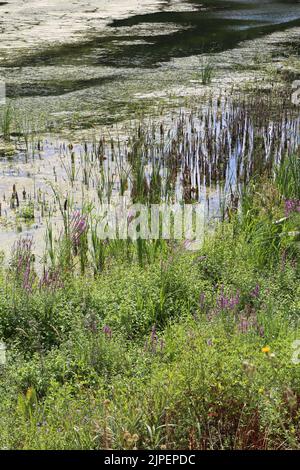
207,73
6,121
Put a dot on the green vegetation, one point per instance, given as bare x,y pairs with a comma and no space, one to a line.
185,350
207,73
20,127
6,119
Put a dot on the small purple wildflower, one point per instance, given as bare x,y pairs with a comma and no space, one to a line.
107,331
235,300
202,300
255,292
153,343
244,325
153,338
261,331
51,280
229,303
291,205
249,322
223,302
22,262
78,227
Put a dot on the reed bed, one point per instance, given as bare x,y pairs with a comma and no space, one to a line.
204,155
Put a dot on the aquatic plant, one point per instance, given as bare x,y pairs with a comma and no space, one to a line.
207,73
6,121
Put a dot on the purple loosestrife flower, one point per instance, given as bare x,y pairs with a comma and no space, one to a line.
255,292
235,300
244,325
291,205
152,344
153,339
202,300
22,262
261,331
107,331
223,302
249,322
228,303
51,280
27,284
78,227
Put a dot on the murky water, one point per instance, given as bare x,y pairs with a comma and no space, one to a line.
89,63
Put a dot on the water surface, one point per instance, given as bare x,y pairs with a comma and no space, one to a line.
125,54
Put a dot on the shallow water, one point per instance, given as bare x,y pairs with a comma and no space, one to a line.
204,155
86,64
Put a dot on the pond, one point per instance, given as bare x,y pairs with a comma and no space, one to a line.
103,63
98,62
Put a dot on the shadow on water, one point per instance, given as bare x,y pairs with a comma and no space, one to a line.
55,88
219,28
209,26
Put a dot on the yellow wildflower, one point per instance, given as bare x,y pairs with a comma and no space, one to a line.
266,349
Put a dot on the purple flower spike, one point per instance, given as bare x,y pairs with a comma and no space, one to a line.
291,205
261,331
153,338
244,325
255,292
78,226
107,331
23,262
202,300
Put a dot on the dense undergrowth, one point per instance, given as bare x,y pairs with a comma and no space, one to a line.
185,350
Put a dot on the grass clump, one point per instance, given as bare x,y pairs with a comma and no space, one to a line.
207,73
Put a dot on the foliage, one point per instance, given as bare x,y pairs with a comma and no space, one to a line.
192,350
